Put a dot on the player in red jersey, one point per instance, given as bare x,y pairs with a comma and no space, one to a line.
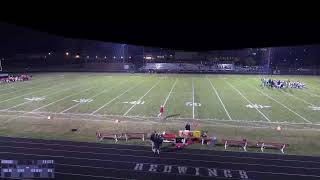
161,111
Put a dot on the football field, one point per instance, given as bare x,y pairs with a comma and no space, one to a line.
209,100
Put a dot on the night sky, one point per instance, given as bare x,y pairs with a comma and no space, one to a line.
14,40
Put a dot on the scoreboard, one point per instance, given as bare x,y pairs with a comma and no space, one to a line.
27,169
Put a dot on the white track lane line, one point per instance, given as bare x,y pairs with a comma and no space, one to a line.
248,101
115,98
261,164
102,92
90,176
174,84
141,98
118,161
141,150
121,161
216,92
306,120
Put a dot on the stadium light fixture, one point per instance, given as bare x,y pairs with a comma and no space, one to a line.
49,53
77,56
121,57
67,53
114,57
129,57
105,57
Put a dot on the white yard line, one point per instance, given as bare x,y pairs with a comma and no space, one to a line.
248,101
23,88
216,92
29,93
141,98
7,88
115,98
309,93
174,84
284,106
102,92
192,100
306,102
46,105
57,92
60,100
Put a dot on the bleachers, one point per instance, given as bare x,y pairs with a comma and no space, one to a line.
192,67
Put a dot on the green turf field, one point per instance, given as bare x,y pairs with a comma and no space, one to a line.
207,101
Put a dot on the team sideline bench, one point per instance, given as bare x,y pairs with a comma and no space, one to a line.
118,136
134,136
270,145
235,143
101,136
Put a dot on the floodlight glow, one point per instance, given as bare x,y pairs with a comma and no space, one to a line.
67,53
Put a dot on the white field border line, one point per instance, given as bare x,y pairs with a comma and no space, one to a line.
192,99
174,84
28,88
248,100
141,150
102,92
147,157
115,98
150,117
47,105
30,93
57,92
224,107
284,106
87,175
135,162
141,98
173,121
298,98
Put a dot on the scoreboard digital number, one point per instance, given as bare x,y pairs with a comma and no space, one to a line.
27,169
